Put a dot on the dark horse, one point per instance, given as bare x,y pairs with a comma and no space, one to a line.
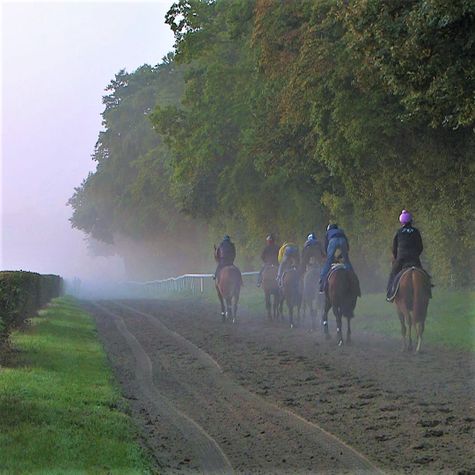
412,300
291,292
228,286
342,292
271,290
311,297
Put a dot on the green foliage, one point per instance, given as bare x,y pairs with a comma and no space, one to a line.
60,412
21,295
423,52
289,114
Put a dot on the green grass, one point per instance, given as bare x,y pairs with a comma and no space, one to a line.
450,318
60,409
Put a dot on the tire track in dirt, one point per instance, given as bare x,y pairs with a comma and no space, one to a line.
344,457
211,457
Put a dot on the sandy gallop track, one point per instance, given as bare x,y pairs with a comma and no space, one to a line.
255,398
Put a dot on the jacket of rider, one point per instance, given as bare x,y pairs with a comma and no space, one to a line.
270,254
284,248
226,252
407,243
335,233
311,249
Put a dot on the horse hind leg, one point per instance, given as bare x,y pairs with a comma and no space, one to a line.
348,331
268,305
402,320
229,308
325,319
419,332
313,315
291,314
409,330
235,306
337,313
223,309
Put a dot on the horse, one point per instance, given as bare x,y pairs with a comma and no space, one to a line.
228,287
310,292
341,294
412,300
291,293
271,289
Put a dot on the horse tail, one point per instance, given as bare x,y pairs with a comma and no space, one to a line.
420,295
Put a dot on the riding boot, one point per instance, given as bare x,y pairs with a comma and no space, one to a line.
389,290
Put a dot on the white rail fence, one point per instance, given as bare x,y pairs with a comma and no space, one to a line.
195,283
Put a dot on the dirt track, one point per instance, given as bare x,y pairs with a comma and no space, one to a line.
261,398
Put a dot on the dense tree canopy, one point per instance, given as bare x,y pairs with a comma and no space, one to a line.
281,116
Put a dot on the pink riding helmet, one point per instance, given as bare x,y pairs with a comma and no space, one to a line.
405,217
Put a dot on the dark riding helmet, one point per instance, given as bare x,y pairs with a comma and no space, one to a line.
226,238
311,236
270,238
332,226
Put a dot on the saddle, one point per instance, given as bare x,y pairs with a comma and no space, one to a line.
397,280
335,266
355,281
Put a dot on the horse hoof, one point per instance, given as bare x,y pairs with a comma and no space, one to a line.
340,343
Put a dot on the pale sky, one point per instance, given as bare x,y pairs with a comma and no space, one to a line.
57,58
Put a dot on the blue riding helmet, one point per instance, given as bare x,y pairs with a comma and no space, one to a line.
226,238
311,237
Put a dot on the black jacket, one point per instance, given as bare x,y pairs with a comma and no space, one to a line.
226,252
407,243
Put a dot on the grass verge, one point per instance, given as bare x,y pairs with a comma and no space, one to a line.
60,409
450,318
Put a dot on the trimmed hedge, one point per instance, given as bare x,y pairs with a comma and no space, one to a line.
22,294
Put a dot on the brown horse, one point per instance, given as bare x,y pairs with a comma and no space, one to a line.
342,292
271,289
412,300
228,287
292,293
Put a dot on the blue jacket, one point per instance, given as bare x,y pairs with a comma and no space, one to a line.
335,233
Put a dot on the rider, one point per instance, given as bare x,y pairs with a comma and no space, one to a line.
312,250
269,256
335,239
407,247
288,256
224,255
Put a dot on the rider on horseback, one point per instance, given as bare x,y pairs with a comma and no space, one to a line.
335,240
224,255
288,256
312,251
269,256
407,247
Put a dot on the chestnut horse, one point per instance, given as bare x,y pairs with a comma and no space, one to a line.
291,293
271,290
412,300
228,286
342,292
